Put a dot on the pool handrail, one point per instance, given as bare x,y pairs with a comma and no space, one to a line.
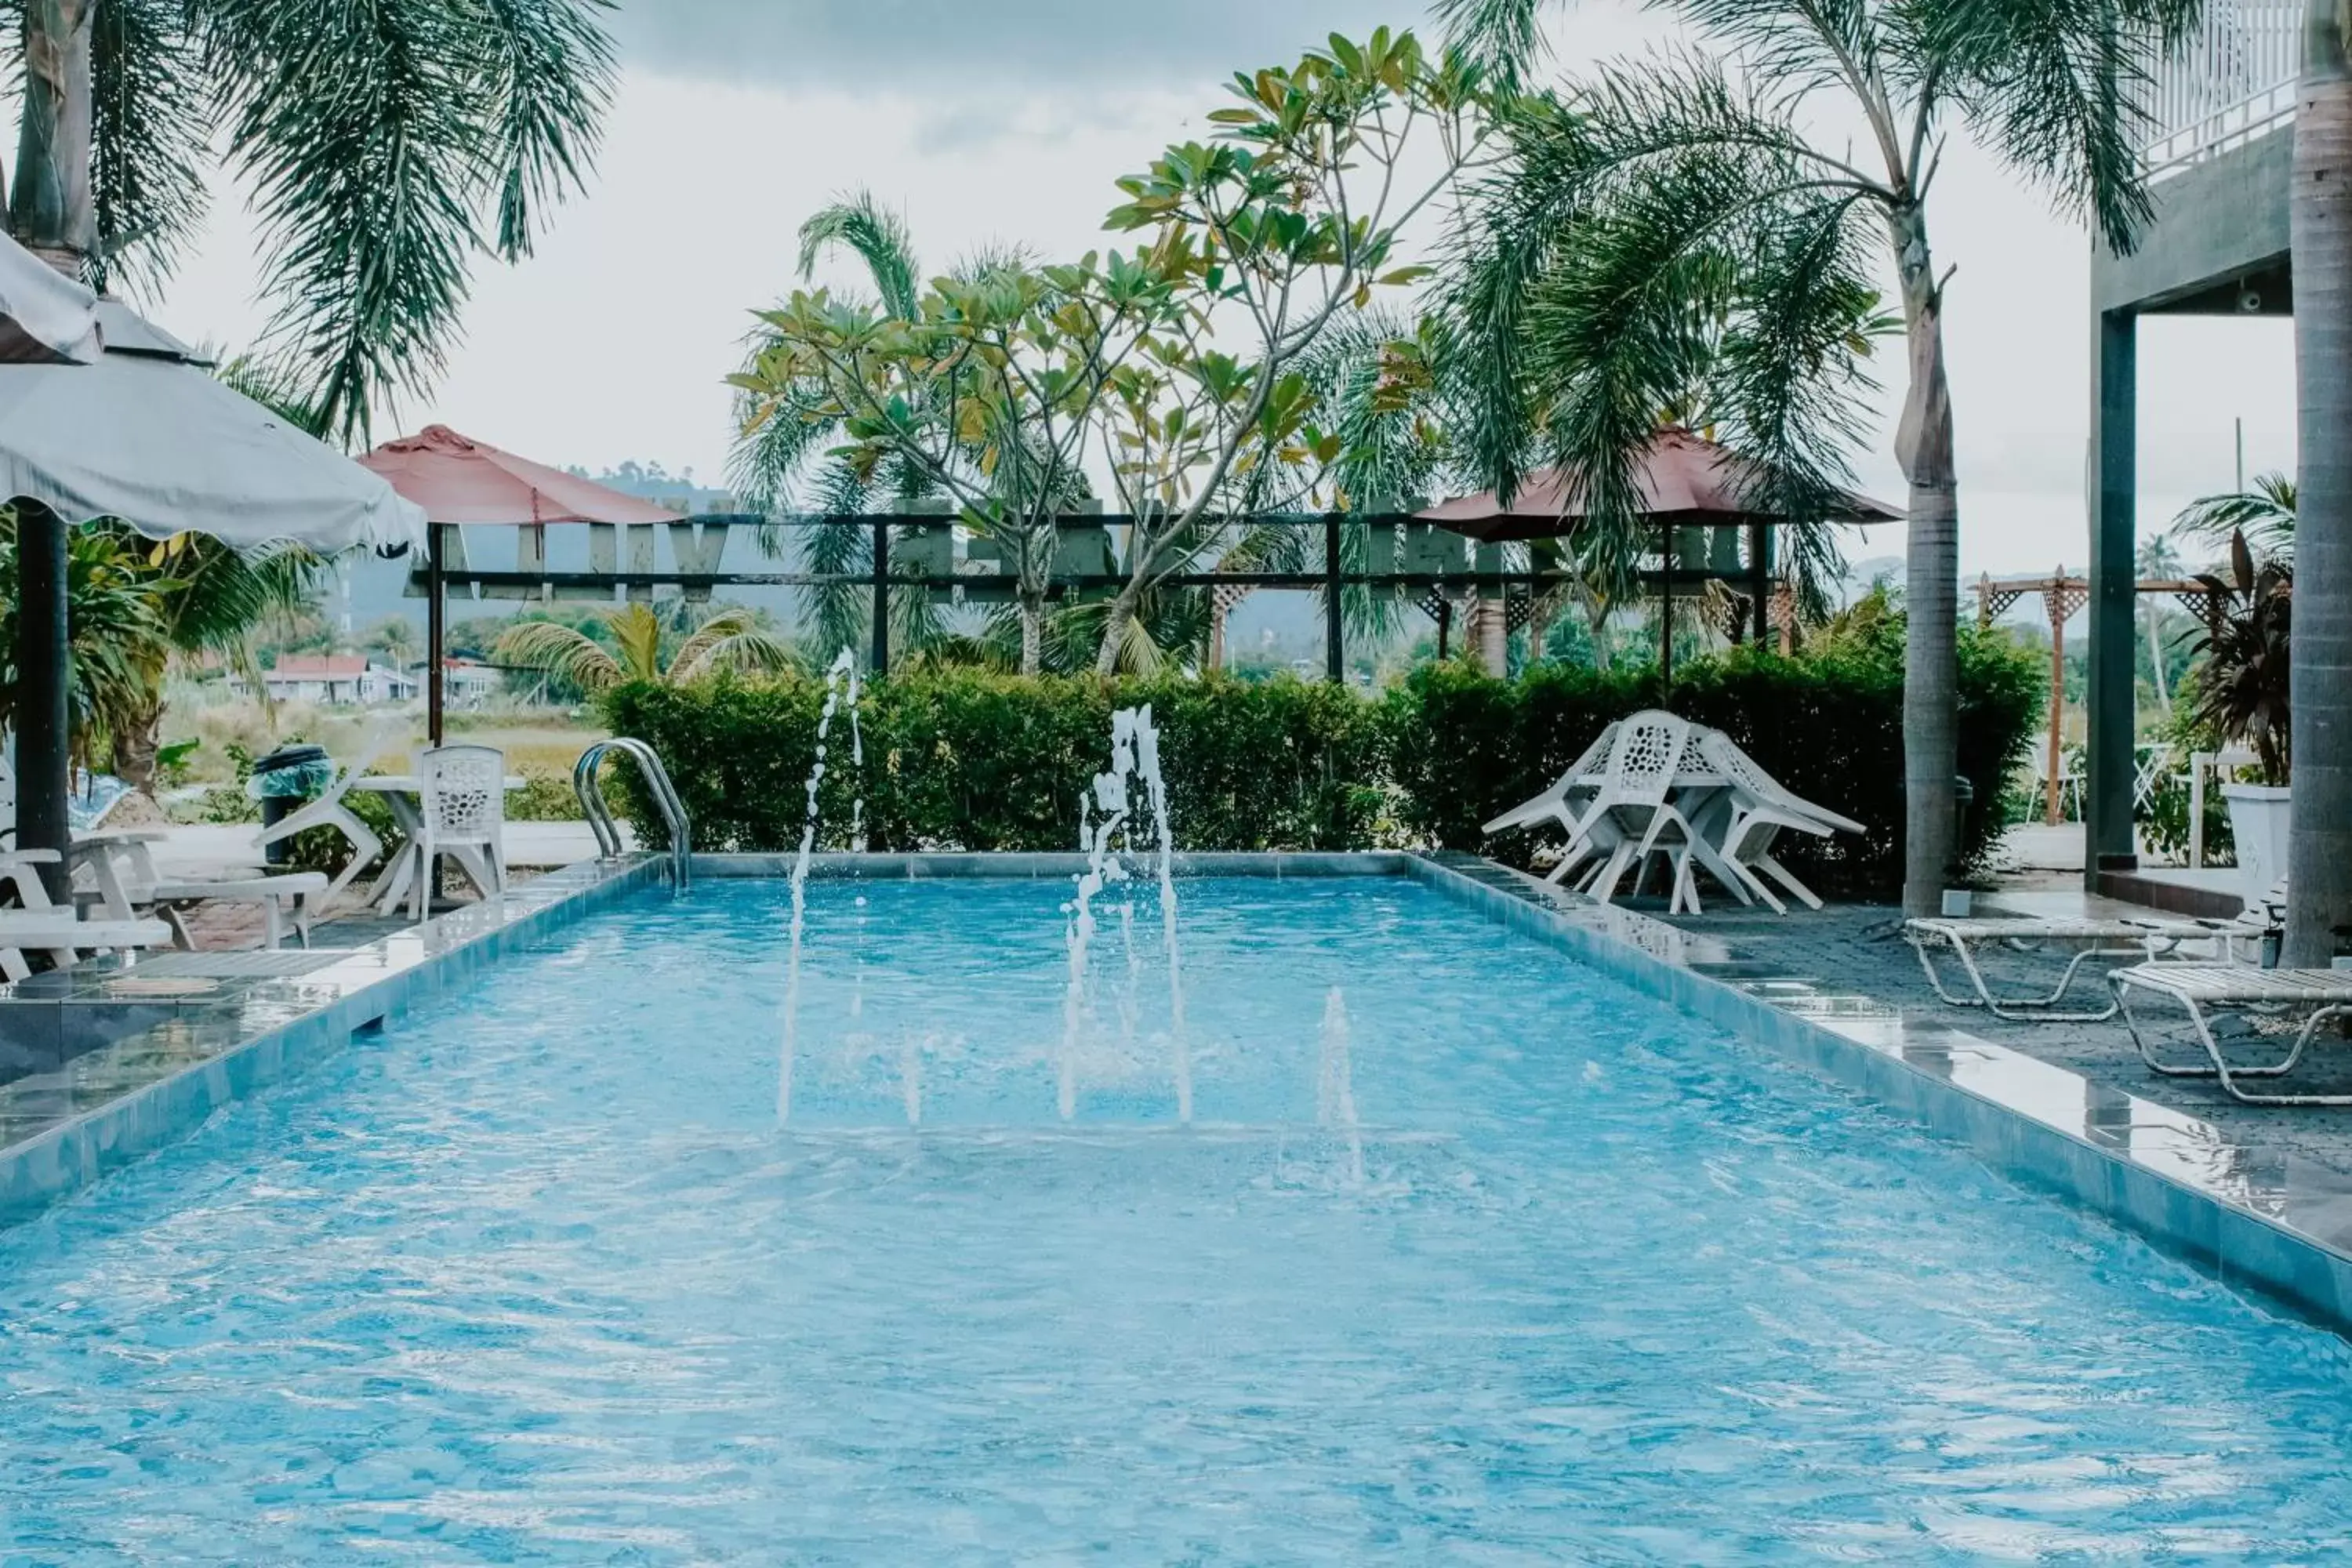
658,782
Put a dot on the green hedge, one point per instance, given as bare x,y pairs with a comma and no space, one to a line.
964,760
1828,727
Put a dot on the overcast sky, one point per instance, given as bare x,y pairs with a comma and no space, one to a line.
1007,122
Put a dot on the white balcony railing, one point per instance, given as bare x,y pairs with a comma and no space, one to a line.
2231,83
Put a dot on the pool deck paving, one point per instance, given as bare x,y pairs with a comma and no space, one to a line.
1859,948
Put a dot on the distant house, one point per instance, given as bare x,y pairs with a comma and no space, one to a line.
468,683
334,680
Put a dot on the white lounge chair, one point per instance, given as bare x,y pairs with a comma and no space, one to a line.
2319,995
462,804
125,882
330,811
54,930
2088,938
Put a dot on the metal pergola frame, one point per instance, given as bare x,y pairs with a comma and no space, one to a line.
1753,580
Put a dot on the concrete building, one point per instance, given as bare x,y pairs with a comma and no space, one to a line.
2219,152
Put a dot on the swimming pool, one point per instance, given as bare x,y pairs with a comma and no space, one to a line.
1497,1260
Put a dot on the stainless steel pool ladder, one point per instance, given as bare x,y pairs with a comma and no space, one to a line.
665,801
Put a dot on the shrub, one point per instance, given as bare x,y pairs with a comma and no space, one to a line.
967,760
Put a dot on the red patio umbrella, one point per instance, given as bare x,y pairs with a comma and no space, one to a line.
1684,481
458,479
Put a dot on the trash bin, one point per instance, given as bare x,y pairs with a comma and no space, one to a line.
284,782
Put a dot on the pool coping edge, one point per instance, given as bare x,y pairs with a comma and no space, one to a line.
378,981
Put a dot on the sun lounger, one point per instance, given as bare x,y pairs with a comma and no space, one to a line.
54,930
127,882
2319,995
2089,938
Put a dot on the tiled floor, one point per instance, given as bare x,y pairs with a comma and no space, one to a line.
1859,947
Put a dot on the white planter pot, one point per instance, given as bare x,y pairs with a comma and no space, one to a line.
2258,820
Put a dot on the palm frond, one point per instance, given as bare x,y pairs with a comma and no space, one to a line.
547,68
730,639
371,192
561,651
148,125
2264,515
881,238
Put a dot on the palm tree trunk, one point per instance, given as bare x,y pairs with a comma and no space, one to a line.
2319,841
136,743
53,212
1923,444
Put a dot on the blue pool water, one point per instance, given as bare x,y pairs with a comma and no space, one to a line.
534,1276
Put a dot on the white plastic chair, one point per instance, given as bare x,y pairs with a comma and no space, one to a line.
1632,815
1754,812
462,804
329,811
1560,804
121,868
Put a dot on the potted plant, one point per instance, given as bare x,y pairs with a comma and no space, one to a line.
2242,694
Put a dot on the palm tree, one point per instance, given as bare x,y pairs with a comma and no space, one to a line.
2263,514
208,599
2319,842
1696,197
383,145
782,448
728,638
118,636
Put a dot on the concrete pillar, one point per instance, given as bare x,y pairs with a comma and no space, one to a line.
2114,484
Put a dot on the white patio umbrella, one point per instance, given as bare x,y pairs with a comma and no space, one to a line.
141,431
44,315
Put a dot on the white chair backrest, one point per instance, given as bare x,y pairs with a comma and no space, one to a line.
374,741
1741,769
1642,758
463,791
1595,754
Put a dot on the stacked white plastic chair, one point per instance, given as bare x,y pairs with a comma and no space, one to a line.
1631,818
1567,802
462,805
1754,812
330,811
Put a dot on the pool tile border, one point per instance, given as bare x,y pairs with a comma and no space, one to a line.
62,1131
2260,1219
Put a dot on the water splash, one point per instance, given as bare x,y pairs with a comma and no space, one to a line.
1335,1085
842,673
1107,816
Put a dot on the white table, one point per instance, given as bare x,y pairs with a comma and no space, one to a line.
404,795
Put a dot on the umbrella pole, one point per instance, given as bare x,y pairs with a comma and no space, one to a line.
1667,619
436,633
42,719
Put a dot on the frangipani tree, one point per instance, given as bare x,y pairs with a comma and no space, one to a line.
1288,222
1689,164
997,388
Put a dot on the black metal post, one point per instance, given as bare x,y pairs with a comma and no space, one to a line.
1667,619
1445,624
880,663
436,631
1760,580
1334,649
42,740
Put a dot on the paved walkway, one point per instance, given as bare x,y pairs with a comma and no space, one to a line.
1859,947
